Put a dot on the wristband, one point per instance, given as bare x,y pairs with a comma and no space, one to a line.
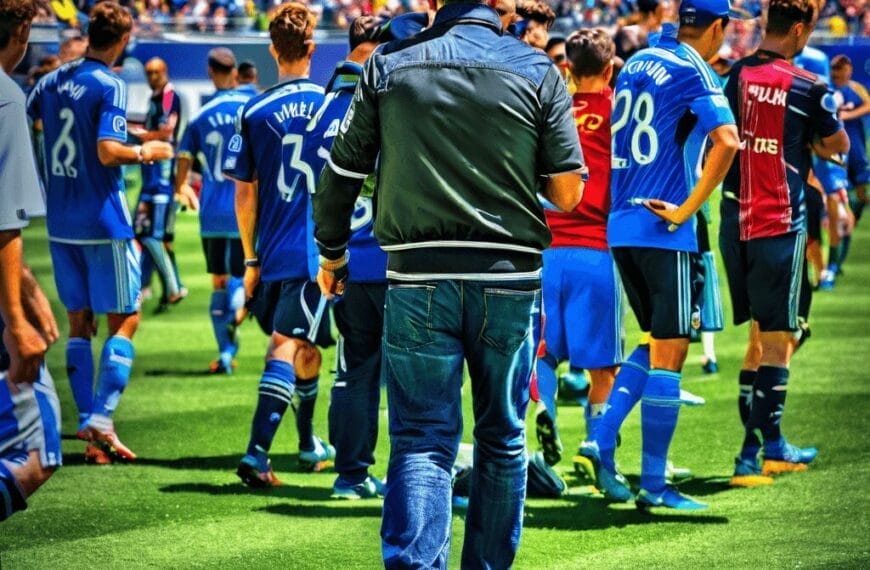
252,262
333,264
139,156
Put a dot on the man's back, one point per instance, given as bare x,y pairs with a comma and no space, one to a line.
663,94
271,149
79,104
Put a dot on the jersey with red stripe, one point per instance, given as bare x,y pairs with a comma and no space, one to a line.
586,225
779,109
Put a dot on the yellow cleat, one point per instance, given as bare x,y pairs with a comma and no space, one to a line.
777,467
750,480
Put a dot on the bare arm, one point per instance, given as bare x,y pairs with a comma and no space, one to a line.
184,194
114,153
830,147
246,214
565,190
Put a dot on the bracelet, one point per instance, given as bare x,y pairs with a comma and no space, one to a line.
139,156
332,264
252,262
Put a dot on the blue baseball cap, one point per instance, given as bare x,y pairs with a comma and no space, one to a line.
705,12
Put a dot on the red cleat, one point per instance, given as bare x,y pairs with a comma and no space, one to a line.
108,443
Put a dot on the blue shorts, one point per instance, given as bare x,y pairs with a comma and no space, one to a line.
102,277
832,177
30,420
858,167
155,217
582,306
294,309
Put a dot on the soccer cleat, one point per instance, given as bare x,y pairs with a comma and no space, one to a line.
96,456
669,498
747,473
787,458
826,283
178,297
548,437
250,474
369,488
612,484
710,367
689,399
320,458
108,442
803,333
218,367
583,466
675,475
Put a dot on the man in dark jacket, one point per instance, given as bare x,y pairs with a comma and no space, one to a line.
465,125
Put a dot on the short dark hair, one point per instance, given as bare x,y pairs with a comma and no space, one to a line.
13,13
537,11
247,70
108,24
783,14
553,42
841,61
363,29
590,51
291,30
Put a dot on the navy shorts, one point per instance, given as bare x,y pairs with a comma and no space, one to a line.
294,308
359,317
815,211
224,256
155,217
774,275
663,287
732,256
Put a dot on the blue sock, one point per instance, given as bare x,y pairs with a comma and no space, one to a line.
593,414
768,401
116,361
627,389
235,301
659,412
218,311
547,383
80,369
307,390
275,393
751,443
12,499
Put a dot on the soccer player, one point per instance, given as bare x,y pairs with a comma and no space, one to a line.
248,78
581,290
667,103
781,110
205,140
81,107
270,158
29,408
155,213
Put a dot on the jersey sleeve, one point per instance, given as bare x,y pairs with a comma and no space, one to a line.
189,145
708,103
20,194
823,110
559,146
113,113
33,102
239,162
356,147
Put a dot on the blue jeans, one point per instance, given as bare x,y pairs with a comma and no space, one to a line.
429,329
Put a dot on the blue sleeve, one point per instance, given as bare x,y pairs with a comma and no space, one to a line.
239,162
113,113
33,100
708,103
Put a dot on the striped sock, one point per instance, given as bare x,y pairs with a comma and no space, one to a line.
275,394
660,409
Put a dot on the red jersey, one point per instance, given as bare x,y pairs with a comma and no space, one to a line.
586,226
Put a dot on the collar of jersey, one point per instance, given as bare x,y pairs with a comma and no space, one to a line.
287,82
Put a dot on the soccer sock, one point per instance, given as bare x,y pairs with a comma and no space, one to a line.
163,264
660,409
593,414
845,244
307,390
833,258
175,273
768,401
116,361
709,344
218,309
80,369
751,443
235,301
547,383
626,392
12,499
599,390
275,393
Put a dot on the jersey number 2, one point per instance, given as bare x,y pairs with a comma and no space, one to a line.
641,111
64,141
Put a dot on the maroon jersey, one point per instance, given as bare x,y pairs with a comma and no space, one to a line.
779,109
586,225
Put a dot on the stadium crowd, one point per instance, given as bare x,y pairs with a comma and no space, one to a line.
613,150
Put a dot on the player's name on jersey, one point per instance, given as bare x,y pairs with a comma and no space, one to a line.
654,69
219,119
771,95
75,90
294,110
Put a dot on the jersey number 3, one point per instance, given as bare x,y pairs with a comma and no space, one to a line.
292,144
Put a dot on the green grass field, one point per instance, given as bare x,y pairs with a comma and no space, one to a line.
181,505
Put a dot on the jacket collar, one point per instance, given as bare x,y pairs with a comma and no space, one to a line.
462,13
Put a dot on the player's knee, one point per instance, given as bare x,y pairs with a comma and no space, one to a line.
81,324
219,282
306,362
123,325
669,354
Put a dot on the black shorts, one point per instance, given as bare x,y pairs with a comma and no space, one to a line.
293,308
663,287
359,317
774,275
732,256
155,218
815,208
702,230
224,256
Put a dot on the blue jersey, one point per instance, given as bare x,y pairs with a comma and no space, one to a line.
205,140
368,262
79,104
667,100
270,147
